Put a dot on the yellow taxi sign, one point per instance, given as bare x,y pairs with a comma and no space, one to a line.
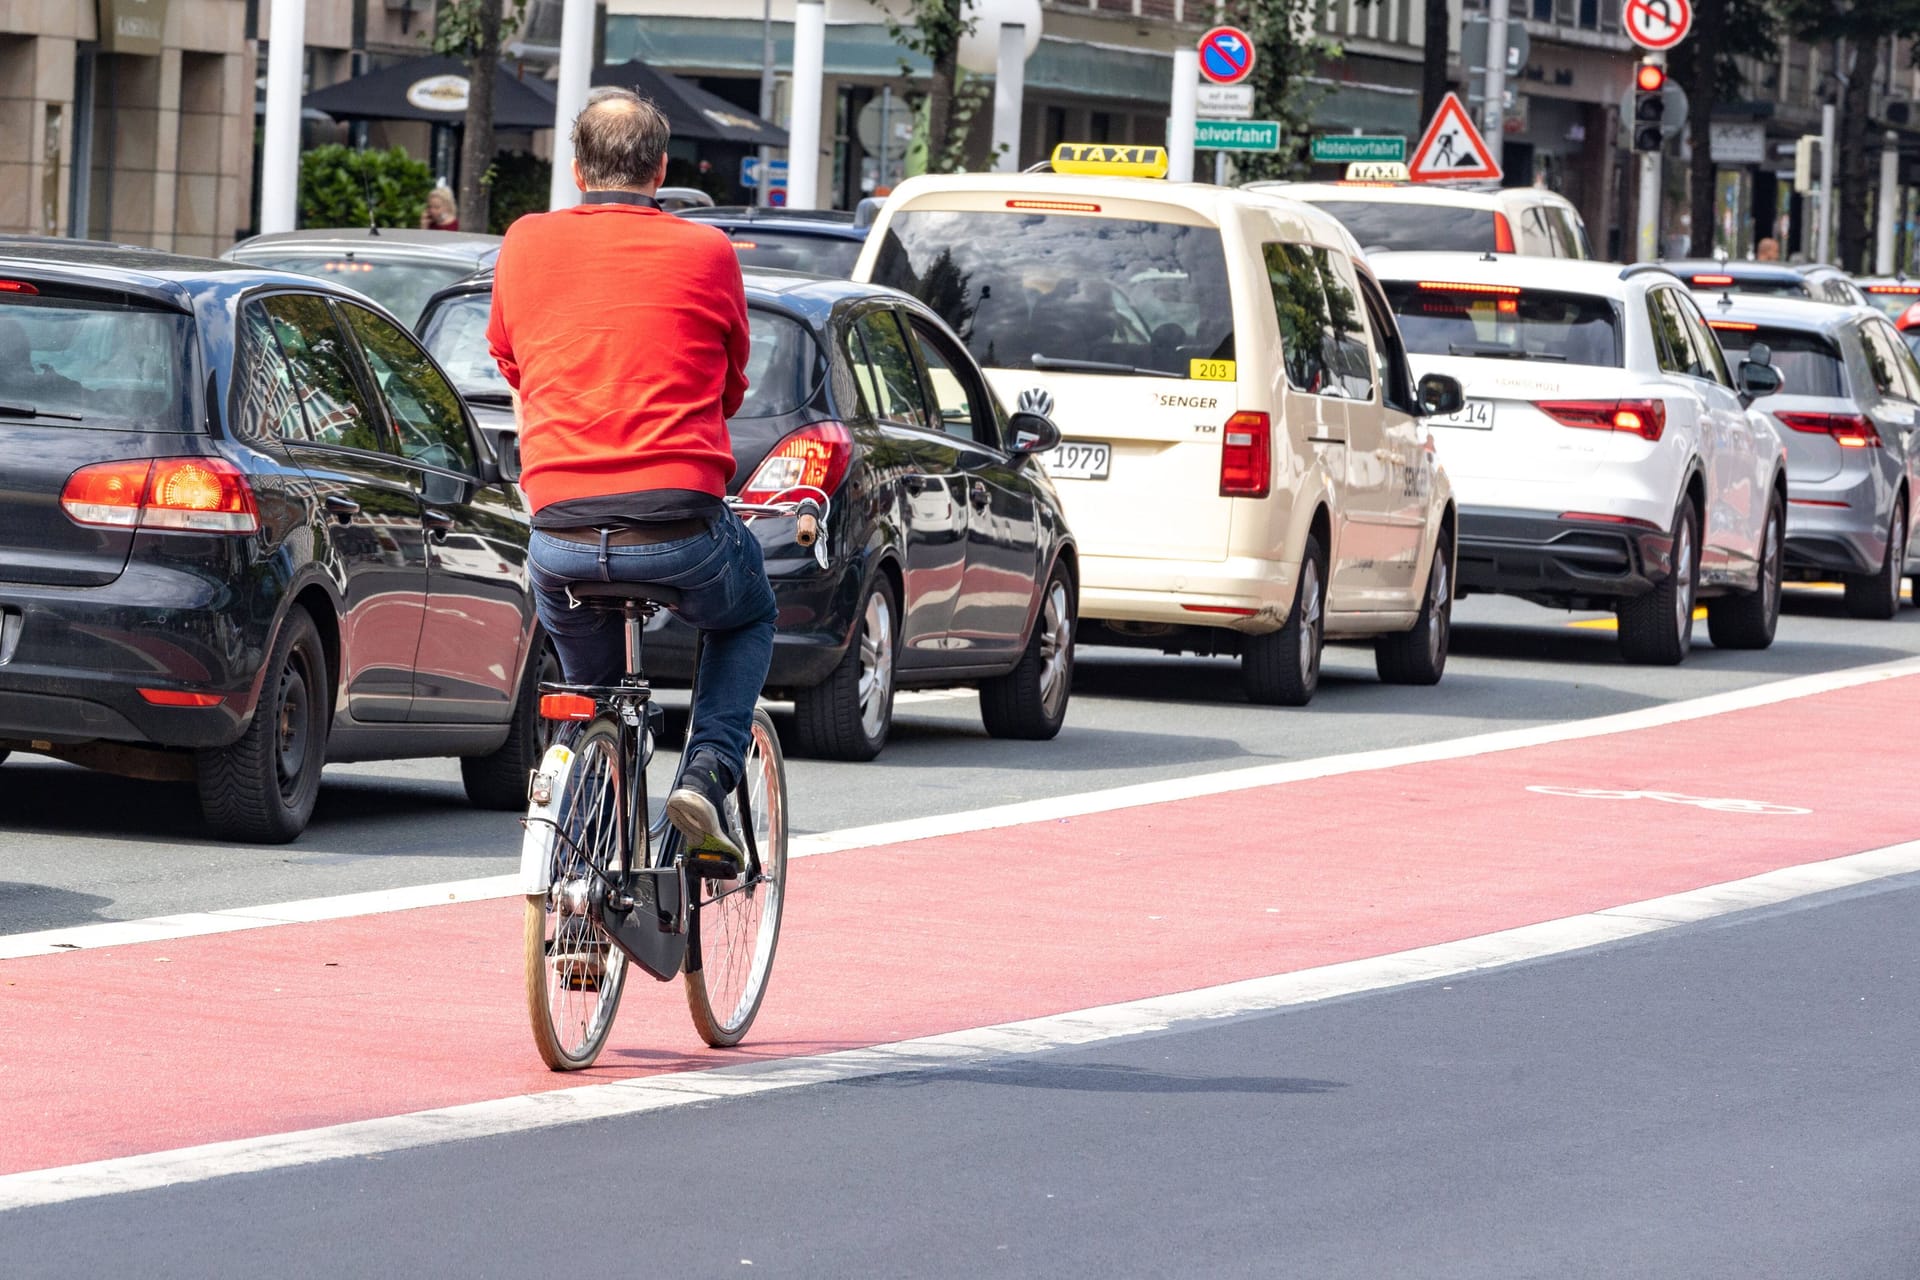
1376,171
1110,161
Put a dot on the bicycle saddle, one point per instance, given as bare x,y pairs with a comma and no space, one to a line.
641,592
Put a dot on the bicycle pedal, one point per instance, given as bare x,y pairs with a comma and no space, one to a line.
713,866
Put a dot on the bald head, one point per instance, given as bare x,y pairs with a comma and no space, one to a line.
619,142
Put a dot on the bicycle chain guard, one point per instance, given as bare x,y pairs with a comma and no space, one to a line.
653,933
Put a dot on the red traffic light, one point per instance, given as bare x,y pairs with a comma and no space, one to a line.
1649,78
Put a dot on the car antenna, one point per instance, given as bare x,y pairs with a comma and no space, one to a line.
373,228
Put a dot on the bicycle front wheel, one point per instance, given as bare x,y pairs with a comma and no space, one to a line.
737,926
574,972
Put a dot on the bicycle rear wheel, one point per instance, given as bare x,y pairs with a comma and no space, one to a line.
574,973
737,926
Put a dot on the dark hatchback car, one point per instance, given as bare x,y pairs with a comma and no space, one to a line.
246,528
947,558
824,241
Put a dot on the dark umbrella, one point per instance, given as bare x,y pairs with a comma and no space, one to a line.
691,111
425,89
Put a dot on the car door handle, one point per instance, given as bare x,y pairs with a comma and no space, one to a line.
437,523
977,495
342,508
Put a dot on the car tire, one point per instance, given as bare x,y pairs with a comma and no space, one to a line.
847,716
1656,629
1282,668
1419,656
1749,620
262,788
1030,702
1877,595
498,780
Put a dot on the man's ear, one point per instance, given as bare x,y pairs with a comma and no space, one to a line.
578,181
660,174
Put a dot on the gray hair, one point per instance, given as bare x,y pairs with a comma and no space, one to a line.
618,140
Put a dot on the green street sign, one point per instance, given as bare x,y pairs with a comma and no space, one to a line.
1349,148
1236,135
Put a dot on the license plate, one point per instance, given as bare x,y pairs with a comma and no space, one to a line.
1079,460
1477,414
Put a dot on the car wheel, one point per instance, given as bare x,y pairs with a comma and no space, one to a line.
499,780
847,716
1031,700
1656,629
1282,668
1419,656
262,788
1877,595
1748,620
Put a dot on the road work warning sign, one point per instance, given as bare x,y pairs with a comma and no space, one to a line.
1451,148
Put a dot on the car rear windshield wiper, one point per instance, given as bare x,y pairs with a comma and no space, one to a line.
1489,351
28,411
1096,366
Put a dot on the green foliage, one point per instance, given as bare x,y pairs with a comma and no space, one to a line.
335,182
933,29
460,27
521,184
1289,52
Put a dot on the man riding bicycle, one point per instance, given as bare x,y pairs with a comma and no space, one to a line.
623,331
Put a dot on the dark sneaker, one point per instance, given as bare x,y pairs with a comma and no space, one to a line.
697,807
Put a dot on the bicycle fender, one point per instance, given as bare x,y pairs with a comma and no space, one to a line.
544,793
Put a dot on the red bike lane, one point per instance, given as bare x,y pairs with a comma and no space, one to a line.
159,1045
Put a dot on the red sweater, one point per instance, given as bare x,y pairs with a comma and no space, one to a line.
625,331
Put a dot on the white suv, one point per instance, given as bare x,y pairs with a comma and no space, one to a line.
1426,216
1605,458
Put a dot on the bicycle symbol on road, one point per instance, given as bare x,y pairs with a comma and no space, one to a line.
1710,803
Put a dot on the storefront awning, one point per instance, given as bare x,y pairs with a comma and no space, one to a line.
434,89
692,113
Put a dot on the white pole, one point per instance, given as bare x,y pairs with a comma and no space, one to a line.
570,97
809,84
280,145
1823,249
1009,91
1648,238
1494,111
761,186
1889,203
1186,111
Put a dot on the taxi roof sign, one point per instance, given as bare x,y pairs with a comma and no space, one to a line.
1110,161
1376,171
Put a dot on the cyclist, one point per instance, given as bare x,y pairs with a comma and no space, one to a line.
623,331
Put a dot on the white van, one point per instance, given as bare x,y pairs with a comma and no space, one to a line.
1244,463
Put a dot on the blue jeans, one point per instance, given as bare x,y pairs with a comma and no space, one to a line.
724,592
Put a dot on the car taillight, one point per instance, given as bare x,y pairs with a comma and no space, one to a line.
816,456
1643,418
192,495
1712,281
1246,456
1849,430
16,286
181,698
1502,234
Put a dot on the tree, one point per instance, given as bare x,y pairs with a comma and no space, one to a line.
1288,53
1706,65
933,29
1433,65
474,29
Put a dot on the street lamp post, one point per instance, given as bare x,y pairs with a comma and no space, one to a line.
280,141
570,97
809,85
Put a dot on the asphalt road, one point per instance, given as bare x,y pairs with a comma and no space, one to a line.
1725,1100
78,847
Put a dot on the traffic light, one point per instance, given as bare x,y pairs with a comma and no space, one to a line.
1649,107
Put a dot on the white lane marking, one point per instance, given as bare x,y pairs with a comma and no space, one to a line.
1716,805
534,1111
1080,804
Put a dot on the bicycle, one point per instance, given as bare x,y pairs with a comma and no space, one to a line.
605,886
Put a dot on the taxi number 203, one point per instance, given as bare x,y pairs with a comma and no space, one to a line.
1079,460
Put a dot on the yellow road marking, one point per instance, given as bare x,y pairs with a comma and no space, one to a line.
1613,624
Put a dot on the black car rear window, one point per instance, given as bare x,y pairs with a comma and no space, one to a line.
1096,295
795,251
68,361
1768,286
1809,363
1439,318
1377,224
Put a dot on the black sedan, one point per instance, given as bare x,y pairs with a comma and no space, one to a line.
823,241
247,527
946,560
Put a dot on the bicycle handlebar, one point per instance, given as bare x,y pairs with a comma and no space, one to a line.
811,508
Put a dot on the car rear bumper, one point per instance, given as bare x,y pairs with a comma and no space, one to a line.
1243,593
1834,526
814,628
1530,553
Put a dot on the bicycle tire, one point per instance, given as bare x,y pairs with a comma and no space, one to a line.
574,972
736,928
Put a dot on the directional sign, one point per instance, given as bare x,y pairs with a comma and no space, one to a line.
750,171
1451,147
1347,148
1236,135
1226,55
1226,102
1658,24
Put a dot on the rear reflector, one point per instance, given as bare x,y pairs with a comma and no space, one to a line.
1246,456
1451,286
1849,430
1235,610
566,706
1735,326
17,286
1601,517
1502,234
1713,280
188,495
1816,502
1056,206
181,698
815,457
1644,418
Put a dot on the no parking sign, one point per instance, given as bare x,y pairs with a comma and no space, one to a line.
1226,55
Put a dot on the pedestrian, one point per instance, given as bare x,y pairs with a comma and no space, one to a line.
623,331
1768,250
442,212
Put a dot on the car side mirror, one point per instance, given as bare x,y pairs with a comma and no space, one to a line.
1440,394
506,451
1030,433
1758,377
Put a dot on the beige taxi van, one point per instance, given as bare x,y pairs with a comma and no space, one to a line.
1244,461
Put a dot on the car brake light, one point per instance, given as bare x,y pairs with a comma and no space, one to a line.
1246,456
566,706
17,286
1644,418
1735,326
1453,286
1056,206
181,698
816,457
1713,280
192,495
1849,430
1502,233
1881,288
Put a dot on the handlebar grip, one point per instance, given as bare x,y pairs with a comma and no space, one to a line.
807,531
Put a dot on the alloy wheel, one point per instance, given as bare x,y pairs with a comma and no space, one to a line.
1056,647
1309,621
876,665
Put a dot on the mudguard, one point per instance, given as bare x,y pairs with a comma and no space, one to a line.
544,794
